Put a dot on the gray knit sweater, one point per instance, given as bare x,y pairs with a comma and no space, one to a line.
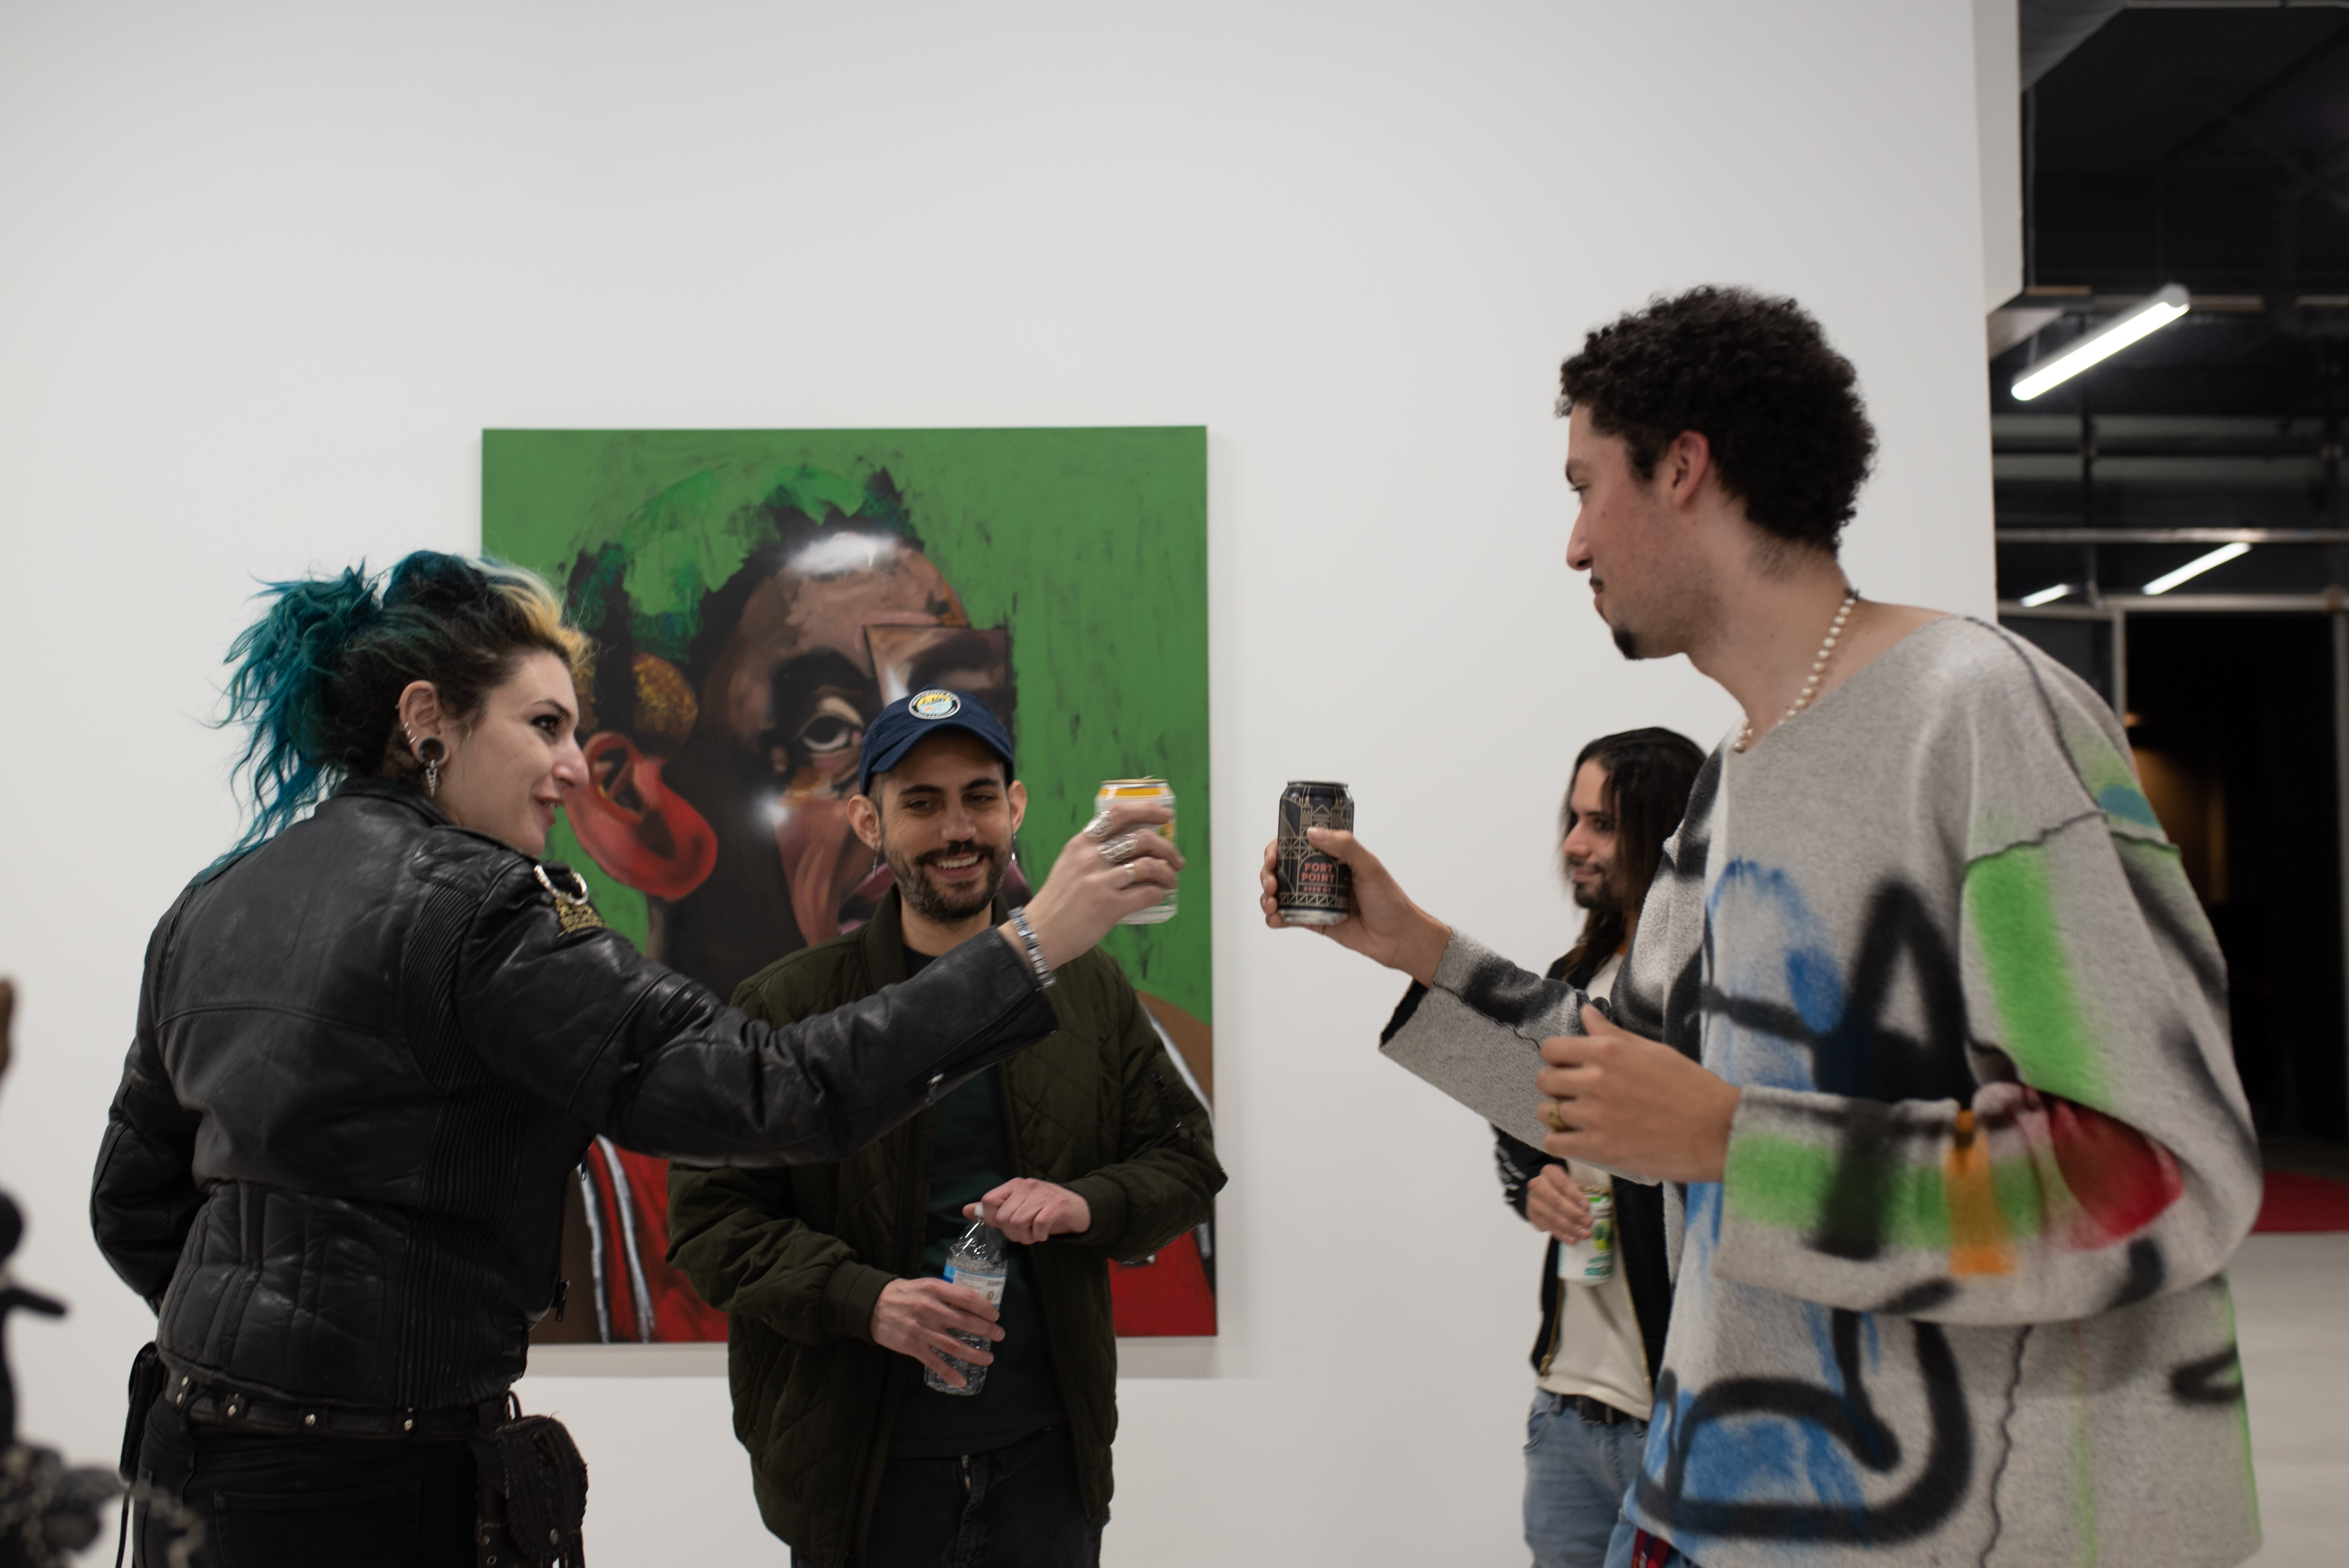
1958,1298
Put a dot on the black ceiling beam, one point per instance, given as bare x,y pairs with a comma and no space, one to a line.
2308,178
2250,102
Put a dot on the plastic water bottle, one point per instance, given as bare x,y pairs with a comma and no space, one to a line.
979,1260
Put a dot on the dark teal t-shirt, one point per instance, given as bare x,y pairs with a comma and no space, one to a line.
973,1157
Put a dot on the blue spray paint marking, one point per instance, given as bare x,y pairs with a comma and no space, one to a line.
1753,1458
2128,804
1704,1216
1791,965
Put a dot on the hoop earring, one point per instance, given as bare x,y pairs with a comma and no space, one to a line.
431,753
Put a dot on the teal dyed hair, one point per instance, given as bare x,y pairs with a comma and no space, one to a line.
316,680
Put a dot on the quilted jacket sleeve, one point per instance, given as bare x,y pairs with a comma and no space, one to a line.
735,1234
1166,1176
143,1196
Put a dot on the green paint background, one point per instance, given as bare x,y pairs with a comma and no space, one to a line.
1090,544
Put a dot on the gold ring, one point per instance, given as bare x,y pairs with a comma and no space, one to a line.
1129,877
1550,1116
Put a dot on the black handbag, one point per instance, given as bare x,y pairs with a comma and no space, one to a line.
533,1494
147,1376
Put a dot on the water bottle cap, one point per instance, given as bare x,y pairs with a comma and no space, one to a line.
982,1213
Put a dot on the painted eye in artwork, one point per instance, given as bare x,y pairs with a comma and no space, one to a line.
835,726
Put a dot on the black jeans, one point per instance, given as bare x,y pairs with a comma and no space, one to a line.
270,1501
1016,1507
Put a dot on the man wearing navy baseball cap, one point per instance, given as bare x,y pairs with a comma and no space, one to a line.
910,721
1086,1147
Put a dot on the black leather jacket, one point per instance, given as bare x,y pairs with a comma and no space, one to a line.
369,1055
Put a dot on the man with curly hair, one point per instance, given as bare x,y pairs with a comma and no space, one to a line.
1922,1028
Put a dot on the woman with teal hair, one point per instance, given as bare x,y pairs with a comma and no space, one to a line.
375,1039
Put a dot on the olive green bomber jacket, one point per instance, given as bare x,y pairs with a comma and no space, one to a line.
797,1257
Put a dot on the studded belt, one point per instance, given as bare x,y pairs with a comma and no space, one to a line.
214,1405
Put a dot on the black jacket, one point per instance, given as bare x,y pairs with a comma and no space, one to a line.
1638,1230
370,1052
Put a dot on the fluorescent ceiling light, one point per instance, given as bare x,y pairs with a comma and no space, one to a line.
2046,595
2151,313
2196,567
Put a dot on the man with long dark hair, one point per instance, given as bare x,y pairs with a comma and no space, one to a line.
1601,1343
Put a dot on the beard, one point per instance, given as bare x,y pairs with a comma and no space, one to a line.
1599,896
931,901
1666,625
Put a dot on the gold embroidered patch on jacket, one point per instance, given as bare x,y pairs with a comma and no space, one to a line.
567,890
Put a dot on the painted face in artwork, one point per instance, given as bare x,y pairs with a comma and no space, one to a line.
727,800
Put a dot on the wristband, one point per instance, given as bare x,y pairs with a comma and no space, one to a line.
1044,976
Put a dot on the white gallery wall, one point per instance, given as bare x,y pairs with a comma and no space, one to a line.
266,271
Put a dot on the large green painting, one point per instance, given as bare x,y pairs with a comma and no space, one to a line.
756,595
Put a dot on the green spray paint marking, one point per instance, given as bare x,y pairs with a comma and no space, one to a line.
2013,905
2242,1404
1783,1182
2084,1462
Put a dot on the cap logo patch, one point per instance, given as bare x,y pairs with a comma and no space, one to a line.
935,704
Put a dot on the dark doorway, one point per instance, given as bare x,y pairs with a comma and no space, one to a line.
2231,716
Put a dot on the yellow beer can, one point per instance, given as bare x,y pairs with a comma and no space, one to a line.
1143,789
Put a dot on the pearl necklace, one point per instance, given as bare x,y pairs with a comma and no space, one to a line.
1818,668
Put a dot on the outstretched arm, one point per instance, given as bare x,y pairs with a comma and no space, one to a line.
648,1056
1383,926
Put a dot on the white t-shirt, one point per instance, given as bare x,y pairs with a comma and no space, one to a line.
1597,1349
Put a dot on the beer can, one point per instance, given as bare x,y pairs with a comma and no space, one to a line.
1312,888
1591,1261
1156,790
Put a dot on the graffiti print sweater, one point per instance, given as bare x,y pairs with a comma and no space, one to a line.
1958,1297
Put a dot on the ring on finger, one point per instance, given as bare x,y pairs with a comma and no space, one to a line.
1550,1116
1098,827
1119,850
1129,877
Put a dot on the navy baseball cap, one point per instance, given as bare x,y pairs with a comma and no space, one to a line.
910,721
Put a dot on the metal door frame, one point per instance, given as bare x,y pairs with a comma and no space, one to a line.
2117,608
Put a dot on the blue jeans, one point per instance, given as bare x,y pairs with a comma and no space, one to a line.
1576,1472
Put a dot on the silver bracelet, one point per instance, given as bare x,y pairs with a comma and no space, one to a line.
1044,976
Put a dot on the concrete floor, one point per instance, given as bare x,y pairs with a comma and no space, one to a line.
2291,1316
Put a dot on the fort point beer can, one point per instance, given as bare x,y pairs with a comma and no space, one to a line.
1312,888
1156,790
